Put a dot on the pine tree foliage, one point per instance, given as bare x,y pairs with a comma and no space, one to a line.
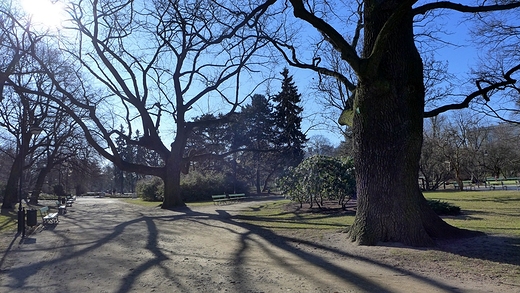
258,124
287,116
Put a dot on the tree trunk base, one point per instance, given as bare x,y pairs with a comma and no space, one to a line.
422,232
173,207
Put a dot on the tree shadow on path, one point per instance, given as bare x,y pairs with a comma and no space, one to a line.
313,258
111,223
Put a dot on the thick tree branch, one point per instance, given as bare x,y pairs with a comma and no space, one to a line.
348,52
293,61
483,91
380,44
463,8
114,157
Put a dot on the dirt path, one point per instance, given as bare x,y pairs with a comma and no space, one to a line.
106,245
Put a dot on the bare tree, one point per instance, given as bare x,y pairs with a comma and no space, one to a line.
26,110
319,145
19,117
61,142
500,154
434,166
156,62
462,140
20,112
497,37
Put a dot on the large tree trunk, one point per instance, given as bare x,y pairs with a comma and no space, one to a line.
172,186
388,129
39,184
257,181
172,179
11,188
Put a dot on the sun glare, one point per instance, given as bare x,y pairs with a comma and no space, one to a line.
45,12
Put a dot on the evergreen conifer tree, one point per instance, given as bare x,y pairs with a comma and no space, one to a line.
287,115
257,119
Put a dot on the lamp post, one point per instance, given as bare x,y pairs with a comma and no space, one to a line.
21,213
236,162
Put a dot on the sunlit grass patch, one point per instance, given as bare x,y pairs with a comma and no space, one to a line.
495,211
8,220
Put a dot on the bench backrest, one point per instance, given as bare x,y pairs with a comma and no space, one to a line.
218,196
237,195
44,211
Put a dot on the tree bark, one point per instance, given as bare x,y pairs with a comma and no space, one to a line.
172,187
11,187
35,194
388,129
172,177
257,179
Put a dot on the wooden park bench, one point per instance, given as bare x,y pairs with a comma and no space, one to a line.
69,200
223,198
237,197
467,184
219,198
494,184
48,218
62,209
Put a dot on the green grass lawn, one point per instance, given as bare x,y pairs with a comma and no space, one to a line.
495,211
8,220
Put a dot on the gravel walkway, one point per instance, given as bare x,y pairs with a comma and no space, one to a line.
107,245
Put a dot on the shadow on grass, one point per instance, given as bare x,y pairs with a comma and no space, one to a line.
8,219
466,215
486,198
495,248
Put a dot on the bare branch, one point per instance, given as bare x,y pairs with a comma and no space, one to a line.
483,91
348,52
463,8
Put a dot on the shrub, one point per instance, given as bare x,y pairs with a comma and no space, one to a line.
58,190
320,178
443,208
150,189
198,186
195,186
